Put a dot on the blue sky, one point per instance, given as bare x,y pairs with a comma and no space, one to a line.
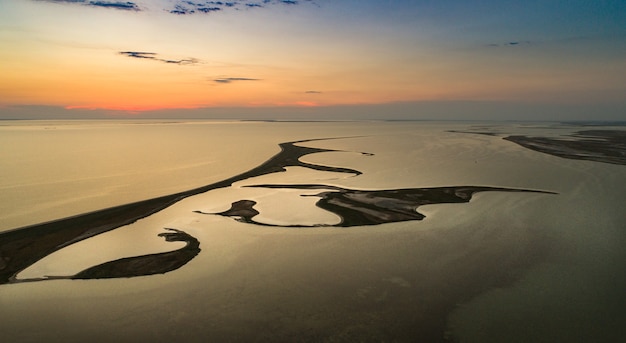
83,58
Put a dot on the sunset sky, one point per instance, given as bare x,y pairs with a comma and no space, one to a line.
384,59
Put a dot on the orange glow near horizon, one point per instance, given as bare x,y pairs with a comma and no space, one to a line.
128,108
151,60
131,108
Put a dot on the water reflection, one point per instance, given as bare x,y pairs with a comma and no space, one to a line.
21,248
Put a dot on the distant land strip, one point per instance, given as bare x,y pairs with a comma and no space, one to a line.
606,146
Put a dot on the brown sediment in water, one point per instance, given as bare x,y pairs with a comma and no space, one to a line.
607,146
438,270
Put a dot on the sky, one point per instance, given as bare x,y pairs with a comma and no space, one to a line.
310,59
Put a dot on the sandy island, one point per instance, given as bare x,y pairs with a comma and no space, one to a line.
362,207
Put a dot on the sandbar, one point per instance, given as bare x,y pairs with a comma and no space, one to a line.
607,146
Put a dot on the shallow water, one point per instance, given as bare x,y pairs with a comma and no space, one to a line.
503,267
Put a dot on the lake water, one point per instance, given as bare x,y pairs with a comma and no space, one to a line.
505,267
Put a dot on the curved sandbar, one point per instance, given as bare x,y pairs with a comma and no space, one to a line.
151,264
159,263
361,208
22,247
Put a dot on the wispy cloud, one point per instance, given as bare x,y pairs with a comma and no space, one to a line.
155,57
139,54
183,7
234,79
62,1
128,6
313,92
510,44
118,5
190,7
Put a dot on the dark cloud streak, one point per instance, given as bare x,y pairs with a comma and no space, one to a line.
233,79
155,57
189,7
139,54
511,43
118,5
185,7
63,1
126,6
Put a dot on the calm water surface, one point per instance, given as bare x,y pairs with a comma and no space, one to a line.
540,268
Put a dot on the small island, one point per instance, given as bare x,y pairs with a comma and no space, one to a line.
364,208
